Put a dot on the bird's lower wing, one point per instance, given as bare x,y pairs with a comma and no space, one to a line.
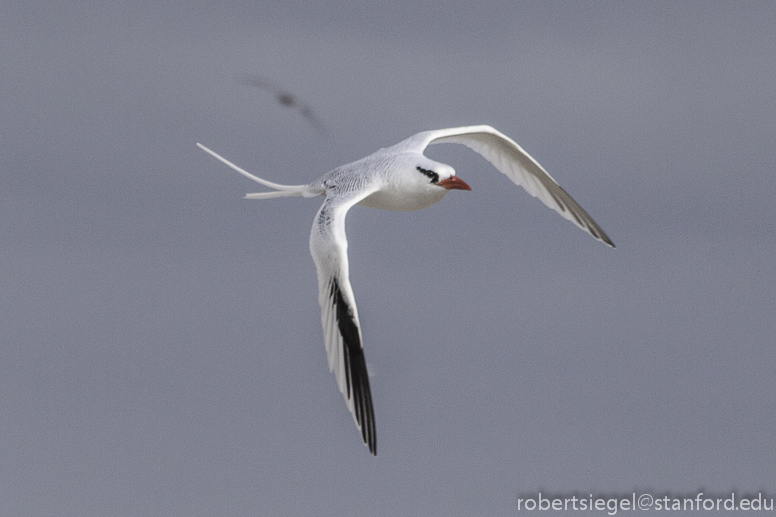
339,316
509,158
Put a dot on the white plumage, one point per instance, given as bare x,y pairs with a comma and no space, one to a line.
399,177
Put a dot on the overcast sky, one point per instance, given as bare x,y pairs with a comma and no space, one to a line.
160,343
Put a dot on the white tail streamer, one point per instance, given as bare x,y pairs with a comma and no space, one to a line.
282,190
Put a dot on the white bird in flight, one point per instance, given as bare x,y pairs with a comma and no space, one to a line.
399,177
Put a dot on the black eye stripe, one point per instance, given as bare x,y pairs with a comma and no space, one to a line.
431,174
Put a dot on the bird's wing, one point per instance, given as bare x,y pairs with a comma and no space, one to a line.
341,329
517,165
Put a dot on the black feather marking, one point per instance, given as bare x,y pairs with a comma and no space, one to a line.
572,212
357,378
431,174
576,217
557,200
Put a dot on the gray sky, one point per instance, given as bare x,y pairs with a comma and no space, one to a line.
160,342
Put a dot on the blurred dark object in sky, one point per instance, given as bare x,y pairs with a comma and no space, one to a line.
285,98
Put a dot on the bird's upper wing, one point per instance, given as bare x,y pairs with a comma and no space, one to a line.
519,166
341,328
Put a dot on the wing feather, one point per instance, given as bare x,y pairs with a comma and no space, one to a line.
339,316
510,159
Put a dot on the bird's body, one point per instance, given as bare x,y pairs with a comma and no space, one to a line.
401,178
384,174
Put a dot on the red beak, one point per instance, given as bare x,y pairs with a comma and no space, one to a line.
454,183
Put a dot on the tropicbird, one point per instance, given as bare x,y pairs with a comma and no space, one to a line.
399,177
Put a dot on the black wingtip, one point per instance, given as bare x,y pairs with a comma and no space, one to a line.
356,374
605,238
358,379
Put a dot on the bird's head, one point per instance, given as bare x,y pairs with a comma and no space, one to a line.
435,174
414,182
